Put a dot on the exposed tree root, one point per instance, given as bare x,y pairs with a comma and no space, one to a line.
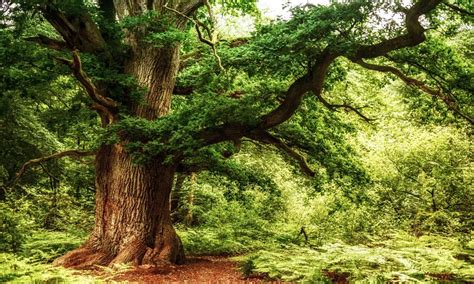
83,257
169,249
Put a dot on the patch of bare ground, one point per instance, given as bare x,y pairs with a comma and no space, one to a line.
197,269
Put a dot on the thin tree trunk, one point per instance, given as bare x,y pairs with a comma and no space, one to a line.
188,219
175,198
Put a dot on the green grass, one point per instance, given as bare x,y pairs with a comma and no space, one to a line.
400,257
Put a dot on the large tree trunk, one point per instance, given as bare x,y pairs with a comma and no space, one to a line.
132,221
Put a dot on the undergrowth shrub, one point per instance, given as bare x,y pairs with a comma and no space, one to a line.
13,229
45,246
439,222
14,269
401,257
223,241
59,211
30,263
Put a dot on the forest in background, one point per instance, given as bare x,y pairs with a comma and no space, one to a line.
389,186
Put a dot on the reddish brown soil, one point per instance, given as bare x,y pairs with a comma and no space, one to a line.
337,277
202,269
442,276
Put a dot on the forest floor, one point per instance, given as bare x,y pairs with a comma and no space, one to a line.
196,269
398,257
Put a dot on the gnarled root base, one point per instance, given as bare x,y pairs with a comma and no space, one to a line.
85,257
132,220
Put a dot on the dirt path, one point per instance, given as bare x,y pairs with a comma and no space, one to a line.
202,269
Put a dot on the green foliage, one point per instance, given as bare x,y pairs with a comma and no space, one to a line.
30,264
225,241
13,229
399,257
445,64
287,47
45,246
16,270
238,6
171,37
36,208
157,30
322,135
438,222
179,130
427,178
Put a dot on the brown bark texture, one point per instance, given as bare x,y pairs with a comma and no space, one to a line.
132,218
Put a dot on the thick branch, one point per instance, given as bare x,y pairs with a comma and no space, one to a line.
182,91
104,104
450,103
192,168
414,36
78,31
49,42
312,81
106,116
267,138
32,162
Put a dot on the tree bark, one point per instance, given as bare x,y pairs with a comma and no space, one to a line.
156,70
132,218
189,218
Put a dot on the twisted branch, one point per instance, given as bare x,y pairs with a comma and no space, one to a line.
347,107
107,106
49,42
447,99
32,162
267,138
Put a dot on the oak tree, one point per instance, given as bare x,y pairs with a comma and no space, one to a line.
127,56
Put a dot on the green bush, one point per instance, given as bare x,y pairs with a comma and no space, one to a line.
30,265
45,246
401,257
14,269
13,229
223,241
439,222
